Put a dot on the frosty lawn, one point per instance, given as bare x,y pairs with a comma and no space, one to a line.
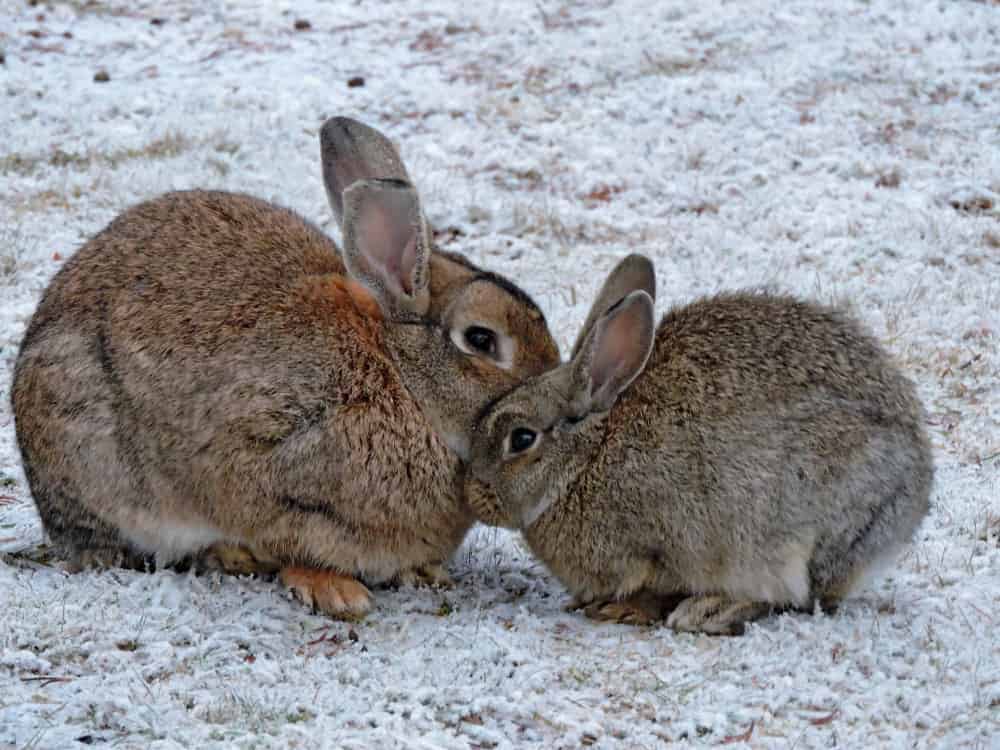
846,151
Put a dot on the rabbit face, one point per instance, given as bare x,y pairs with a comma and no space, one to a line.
521,448
531,444
487,335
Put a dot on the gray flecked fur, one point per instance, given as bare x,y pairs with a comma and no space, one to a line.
768,455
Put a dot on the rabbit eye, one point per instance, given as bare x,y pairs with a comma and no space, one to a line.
481,339
521,439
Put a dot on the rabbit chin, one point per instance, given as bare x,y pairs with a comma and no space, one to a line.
486,505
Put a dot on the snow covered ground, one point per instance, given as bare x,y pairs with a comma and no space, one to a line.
845,150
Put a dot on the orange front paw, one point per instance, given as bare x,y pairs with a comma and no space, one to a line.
340,596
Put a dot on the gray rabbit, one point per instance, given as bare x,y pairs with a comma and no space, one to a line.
208,374
752,452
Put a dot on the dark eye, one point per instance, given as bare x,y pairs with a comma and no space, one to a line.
481,339
521,439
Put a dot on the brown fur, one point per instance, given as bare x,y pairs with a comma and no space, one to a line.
768,453
203,371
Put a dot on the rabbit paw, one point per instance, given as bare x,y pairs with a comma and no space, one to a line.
237,560
642,608
715,614
334,594
432,574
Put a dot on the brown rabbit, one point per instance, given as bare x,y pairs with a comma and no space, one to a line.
207,370
766,453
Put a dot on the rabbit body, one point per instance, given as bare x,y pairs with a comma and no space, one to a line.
768,454
203,371
210,375
785,454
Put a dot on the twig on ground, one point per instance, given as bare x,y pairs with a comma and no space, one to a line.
745,737
825,719
46,679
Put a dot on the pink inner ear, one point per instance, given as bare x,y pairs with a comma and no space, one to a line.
620,348
608,359
408,261
388,240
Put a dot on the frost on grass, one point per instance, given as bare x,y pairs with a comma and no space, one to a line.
845,151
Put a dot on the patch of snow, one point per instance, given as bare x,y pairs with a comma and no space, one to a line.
846,151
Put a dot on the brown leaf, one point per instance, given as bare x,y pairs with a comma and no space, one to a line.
602,194
427,41
825,719
745,737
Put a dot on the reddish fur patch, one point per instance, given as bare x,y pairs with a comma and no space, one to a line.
363,299
350,303
345,293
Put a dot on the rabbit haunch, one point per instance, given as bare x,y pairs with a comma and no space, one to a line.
210,368
751,451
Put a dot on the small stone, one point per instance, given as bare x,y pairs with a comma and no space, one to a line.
101,76
302,25
355,82
157,21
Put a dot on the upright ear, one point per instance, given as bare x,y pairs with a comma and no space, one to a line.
386,246
631,274
614,351
352,151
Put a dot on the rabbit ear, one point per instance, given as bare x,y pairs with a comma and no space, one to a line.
633,273
386,246
615,351
352,151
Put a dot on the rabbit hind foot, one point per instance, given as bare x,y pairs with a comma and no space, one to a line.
340,596
716,614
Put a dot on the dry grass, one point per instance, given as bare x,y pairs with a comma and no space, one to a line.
164,147
671,64
89,7
12,262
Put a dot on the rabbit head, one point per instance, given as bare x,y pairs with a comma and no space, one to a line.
528,445
459,335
